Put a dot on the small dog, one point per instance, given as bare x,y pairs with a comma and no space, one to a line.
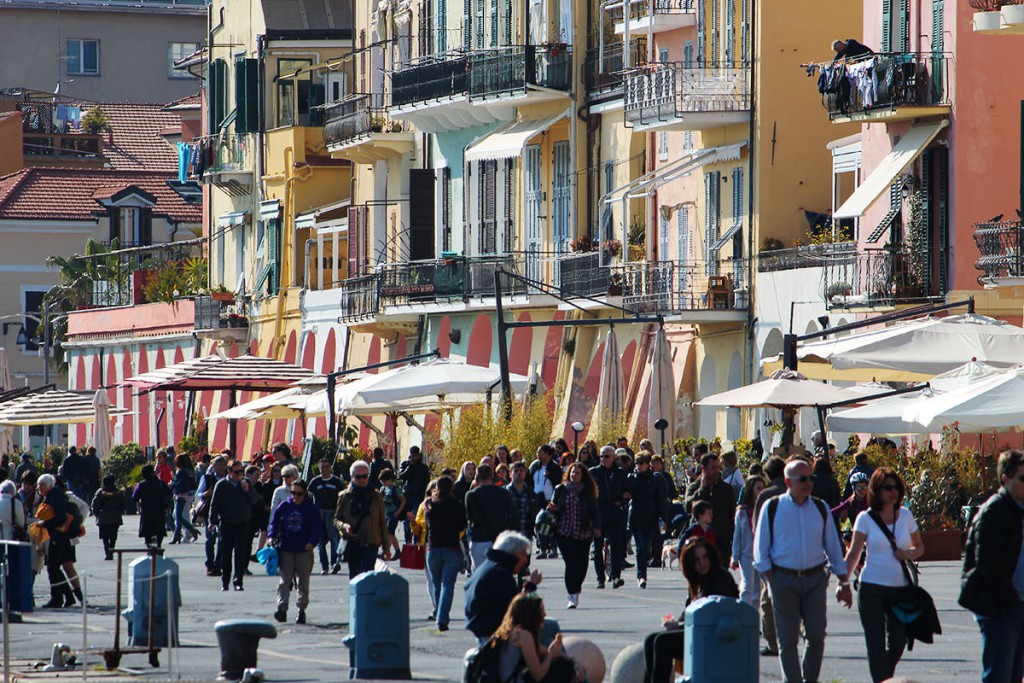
668,557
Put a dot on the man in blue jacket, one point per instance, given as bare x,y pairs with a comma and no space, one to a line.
492,587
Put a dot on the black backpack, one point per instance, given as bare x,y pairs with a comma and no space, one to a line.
481,664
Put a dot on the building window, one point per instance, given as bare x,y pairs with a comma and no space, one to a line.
32,305
83,57
177,52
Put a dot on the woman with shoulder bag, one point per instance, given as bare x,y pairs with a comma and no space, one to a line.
13,524
578,522
360,519
890,535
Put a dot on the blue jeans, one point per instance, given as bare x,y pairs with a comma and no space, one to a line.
330,536
181,518
1002,646
445,565
642,539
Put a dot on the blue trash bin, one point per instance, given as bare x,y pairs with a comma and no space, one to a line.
378,623
140,573
721,642
20,576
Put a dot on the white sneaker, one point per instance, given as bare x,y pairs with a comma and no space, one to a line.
642,583
573,601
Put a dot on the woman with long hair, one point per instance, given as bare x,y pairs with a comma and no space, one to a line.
743,543
577,523
465,481
889,533
702,567
419,530
523,658
183,485
446,520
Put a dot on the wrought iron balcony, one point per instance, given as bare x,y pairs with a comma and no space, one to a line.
581,274
446,280
658,15
886,87
359,298
509,71
357,117
602,70
433,78
1001,246
880,277
808,256
670,96
146,274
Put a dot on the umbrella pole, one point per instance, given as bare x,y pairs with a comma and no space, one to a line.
233,427
788,418
394,436
821,426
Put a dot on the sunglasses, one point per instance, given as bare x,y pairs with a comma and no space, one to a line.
360,476
894,487
237,471
805,479
298,492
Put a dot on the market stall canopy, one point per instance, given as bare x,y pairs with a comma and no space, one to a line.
986,404
433,386
216,372
276,406
915,350
784,388
881,417
52,408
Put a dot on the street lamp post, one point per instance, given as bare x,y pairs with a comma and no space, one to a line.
661,425
577,427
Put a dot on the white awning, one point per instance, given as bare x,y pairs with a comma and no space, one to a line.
231,219
509,140
681,167
270,209
895,162
724,239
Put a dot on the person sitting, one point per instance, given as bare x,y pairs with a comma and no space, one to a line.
523,659
702,567
850,50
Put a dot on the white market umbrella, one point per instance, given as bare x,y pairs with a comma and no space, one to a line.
53,407
913,350
101,437
281,405
994,403
609,393
661,393
881,417
436,385
6,435
784,389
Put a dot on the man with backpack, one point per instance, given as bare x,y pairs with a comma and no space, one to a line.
217,472
795,540
545,475
63,521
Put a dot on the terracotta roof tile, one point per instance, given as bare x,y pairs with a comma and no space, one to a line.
193,101
68,193
135,141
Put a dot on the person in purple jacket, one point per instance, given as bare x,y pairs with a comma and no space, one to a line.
295,531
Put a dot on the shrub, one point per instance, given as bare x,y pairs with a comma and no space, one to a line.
476,431
125,463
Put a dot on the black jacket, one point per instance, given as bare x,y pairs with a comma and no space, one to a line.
378,465
231,505
108,507
646,503
611,484
489,591
445,521
489,511
414,477
590,511
993,546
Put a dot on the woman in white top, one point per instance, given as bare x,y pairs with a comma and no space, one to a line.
12,512
743,543
882,577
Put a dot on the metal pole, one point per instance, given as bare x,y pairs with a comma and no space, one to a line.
233,426
171,652
6,616
83,579
152,597
332,427
506,382
46,343
117,607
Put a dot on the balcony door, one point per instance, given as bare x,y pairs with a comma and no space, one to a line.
533,203
561,192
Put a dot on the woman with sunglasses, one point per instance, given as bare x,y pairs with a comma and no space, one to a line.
743,542
882,579
295,530
702,567
362,522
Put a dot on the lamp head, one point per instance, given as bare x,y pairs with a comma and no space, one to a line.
661,424
577,427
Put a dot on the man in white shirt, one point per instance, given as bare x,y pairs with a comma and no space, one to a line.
794,538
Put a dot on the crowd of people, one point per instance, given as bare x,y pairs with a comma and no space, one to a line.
785,526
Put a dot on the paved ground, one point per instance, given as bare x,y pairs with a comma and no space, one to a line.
313,652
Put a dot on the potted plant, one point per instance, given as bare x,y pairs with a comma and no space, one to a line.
615,284
581,245
223,294
612,248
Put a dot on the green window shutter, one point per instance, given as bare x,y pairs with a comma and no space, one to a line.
274,256
903,21
216,95
887,25
145,227
938,25
247,108
317,96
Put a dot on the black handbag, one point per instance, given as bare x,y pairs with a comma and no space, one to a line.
914,607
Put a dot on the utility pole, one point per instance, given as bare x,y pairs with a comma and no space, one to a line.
506,382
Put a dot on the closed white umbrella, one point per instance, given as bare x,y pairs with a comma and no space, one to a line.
609,394
101,434
661,393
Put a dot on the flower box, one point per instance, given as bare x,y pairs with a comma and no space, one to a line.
987,22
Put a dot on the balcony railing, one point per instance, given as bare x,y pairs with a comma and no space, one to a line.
459,278
602,71
1001,246
356,117
509,70
581,274
641,9
147,274
809,256
884,83
665,91
880,278
359,298
432,78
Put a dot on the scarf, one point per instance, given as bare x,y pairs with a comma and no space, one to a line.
360,501
570,522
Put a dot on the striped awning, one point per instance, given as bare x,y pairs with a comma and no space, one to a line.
215,372
53,407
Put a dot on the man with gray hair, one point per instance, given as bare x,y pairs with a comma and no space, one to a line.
613,501
493,585
794,541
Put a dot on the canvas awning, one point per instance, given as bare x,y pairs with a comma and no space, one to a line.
53,407
216,372
892,165
509,140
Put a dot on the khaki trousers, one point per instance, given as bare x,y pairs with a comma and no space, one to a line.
294,567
